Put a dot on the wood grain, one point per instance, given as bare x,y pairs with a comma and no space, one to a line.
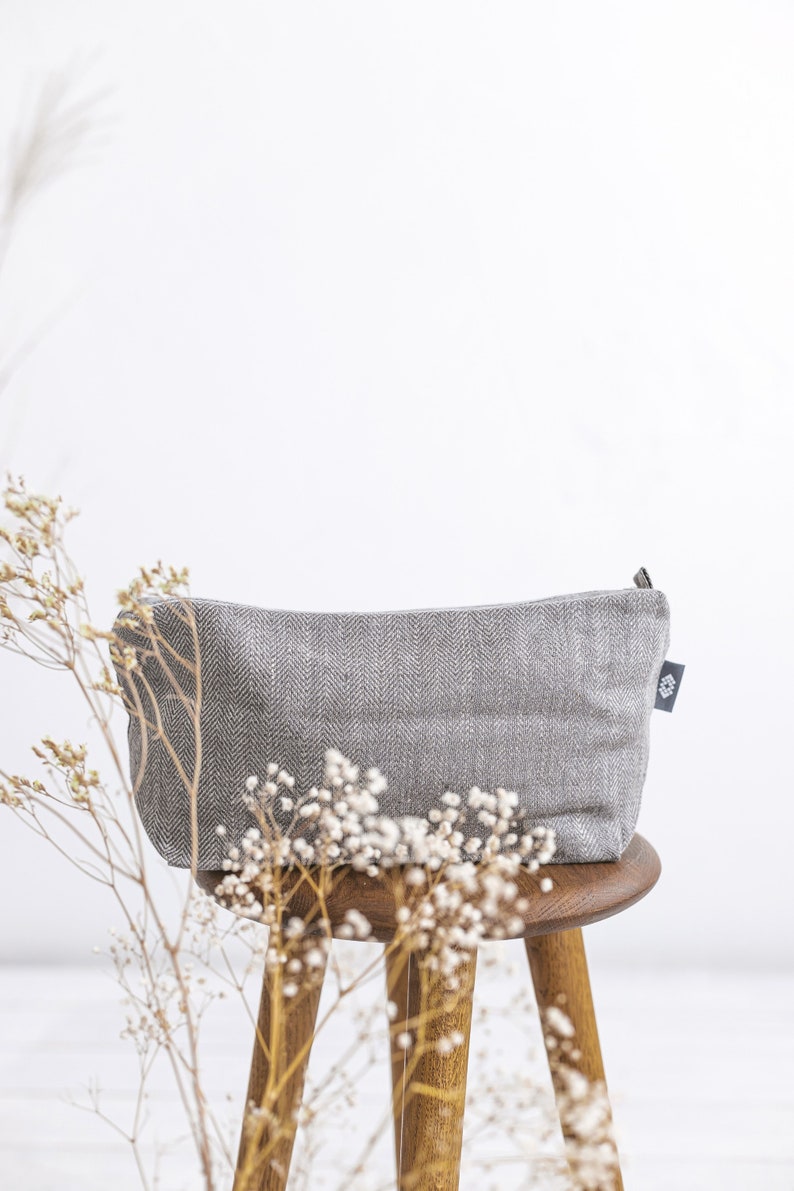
284,1035
559,972
429,1084
582,893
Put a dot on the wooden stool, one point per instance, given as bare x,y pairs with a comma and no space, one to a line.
430,1086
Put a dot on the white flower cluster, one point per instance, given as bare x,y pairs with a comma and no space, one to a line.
340,823
458,867
583,1108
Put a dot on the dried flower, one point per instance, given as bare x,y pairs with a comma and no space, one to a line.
457,873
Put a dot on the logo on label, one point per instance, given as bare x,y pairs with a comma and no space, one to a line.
669,685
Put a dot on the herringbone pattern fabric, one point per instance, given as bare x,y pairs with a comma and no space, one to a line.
550,698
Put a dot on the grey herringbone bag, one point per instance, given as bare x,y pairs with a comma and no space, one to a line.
550,698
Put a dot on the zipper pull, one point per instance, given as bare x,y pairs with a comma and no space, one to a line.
642,578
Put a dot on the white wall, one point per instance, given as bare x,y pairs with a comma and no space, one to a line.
375,304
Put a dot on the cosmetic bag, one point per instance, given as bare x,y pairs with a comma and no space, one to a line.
549,698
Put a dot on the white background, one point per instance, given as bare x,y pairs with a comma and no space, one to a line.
368,305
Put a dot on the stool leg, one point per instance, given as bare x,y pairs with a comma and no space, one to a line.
559,973
284,1035
429,1084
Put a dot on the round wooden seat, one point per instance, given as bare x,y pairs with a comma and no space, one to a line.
580,894
429,1081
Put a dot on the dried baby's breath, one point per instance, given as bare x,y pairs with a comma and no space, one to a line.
459,874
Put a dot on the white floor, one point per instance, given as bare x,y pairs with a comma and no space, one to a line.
701,1068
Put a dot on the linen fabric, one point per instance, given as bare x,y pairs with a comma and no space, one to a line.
550,698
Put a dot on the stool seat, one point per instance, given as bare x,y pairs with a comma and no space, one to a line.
581,893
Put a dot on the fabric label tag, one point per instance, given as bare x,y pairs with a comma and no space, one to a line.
669,681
